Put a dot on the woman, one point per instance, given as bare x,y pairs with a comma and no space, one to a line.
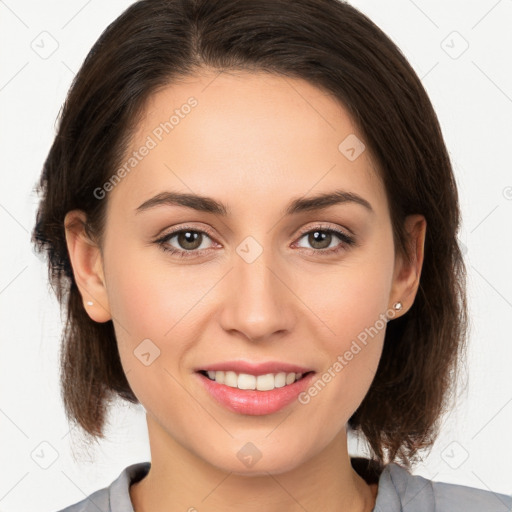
250,216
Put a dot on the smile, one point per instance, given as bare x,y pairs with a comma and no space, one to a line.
265,382
254,395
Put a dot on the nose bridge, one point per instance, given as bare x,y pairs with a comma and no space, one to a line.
257,302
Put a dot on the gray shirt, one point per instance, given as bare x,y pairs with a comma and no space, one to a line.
398,491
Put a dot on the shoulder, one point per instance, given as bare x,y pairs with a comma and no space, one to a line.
115,497
400,490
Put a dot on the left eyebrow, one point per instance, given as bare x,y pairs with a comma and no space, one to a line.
322,201
210,205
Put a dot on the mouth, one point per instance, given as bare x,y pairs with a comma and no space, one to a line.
254,390
247,381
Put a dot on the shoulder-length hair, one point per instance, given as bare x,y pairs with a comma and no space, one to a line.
335,47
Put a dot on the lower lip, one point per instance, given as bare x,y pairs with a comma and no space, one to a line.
252,401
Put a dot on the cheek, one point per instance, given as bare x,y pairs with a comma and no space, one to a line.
352,304
158,317
351,300
356,319
148,313
148,298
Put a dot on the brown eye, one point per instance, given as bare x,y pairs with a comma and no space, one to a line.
319,239
189,240
185,242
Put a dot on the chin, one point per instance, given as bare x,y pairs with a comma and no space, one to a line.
246,459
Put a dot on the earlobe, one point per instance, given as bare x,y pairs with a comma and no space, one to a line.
86,261
407,274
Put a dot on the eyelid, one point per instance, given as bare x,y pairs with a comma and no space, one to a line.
166,235
321,226
345,236
185,227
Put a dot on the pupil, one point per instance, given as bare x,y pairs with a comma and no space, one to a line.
320,237
188,239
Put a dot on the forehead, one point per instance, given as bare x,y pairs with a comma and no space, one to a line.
217,134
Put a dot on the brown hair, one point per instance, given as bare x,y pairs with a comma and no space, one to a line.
334,47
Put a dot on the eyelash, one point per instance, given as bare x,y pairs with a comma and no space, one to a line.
346,241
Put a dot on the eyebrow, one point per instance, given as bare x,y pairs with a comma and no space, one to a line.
210,205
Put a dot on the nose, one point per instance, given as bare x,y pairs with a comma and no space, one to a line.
258,303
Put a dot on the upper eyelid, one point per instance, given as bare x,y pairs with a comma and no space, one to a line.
175,232
301,233
325,227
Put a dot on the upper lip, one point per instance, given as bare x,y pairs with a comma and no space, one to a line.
255,368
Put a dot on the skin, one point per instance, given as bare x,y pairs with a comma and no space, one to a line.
255,141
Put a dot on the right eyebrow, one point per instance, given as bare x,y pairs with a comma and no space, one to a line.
196,202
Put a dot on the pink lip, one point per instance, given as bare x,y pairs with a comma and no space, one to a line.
254,402
255,369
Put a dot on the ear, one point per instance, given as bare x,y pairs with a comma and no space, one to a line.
406,277
86,261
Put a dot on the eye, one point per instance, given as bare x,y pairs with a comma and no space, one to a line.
187,242
323,240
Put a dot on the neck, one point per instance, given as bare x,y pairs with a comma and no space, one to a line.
180,480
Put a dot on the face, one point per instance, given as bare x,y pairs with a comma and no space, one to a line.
259,280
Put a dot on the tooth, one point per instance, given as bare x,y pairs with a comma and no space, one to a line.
265,382
290,378
231,379
280,380
246,381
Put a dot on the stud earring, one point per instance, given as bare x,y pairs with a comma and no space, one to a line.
397,306
90,302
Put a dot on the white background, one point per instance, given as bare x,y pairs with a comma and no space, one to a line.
472,95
